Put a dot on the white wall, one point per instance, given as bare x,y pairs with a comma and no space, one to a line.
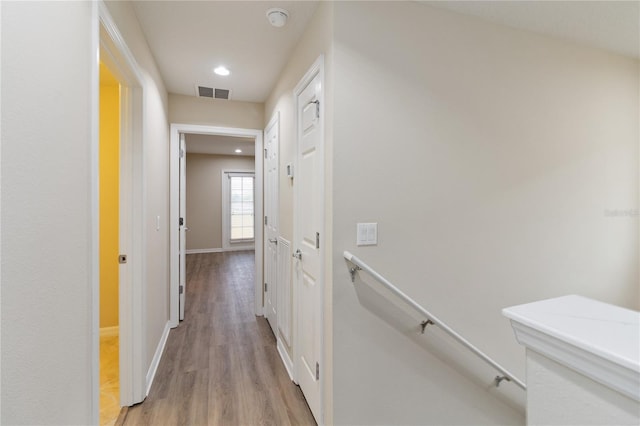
49,73
47,77
156,175
488,157
315,41
204,196
0,217
215,112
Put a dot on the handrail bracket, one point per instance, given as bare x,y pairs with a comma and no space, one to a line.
425,323
353,270
499,379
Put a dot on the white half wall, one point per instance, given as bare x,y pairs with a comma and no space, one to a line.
562,396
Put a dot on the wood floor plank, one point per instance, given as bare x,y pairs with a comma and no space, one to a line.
166,375
193,405
224,376
220,365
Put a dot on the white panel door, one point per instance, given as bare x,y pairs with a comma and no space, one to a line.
271,146
182,230
309,225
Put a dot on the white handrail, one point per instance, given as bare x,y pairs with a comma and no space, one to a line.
432,319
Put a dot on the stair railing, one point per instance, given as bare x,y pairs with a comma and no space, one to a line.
431,319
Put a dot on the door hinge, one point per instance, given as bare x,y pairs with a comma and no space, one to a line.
122,258
181,153
317,102
181,289
265,153
265,221
317,240
265,287
181,221
317,371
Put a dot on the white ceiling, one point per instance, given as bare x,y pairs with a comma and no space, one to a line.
190,38
218,145
610,25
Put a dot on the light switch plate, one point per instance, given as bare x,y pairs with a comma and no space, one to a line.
367,234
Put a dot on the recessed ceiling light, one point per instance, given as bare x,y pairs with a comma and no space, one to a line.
277,17
221,70
238,151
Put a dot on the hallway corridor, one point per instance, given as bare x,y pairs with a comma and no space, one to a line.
220,365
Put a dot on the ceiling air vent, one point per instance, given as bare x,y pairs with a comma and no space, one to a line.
210,92
205,92
222,94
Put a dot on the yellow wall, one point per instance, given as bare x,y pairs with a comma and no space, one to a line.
109,196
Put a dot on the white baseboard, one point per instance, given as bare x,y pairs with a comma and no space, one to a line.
286,360
109,331
208,250
219,250
241,248
151,374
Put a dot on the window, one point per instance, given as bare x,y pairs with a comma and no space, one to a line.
241,190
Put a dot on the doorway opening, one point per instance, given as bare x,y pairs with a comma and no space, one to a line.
109,164
198,141
119,194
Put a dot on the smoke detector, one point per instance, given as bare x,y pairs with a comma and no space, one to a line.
277,17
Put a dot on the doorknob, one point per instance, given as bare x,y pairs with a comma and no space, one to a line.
274,241
297,254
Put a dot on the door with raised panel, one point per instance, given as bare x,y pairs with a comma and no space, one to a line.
271,182
309,217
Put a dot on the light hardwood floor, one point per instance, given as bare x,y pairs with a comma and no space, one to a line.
109,380
220,365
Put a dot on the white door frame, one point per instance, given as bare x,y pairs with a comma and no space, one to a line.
122,63
174,182
317,69
182,227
